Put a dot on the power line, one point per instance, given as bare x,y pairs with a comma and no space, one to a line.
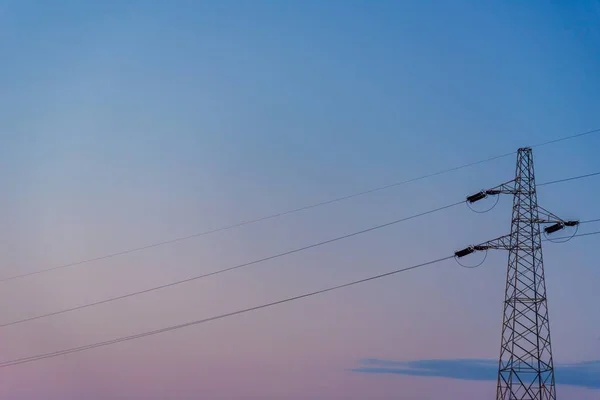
569,179
221,271
240,224
577,235
587,234
58,353
292,211
217,317
589,221
247,264
562,139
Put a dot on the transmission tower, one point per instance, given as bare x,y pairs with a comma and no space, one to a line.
526,369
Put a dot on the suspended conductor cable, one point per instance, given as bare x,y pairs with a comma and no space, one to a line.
581,235
59,353
221,271
252,221
214,318
573,178
292,211
564,138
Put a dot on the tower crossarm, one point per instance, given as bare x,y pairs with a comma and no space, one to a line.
555,223
504,188
500,243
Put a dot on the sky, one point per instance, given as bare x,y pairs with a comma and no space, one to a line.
126,123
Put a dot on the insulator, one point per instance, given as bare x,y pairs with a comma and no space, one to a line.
553,228
571,223
476,197
464,252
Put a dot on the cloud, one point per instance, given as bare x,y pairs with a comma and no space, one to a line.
584,374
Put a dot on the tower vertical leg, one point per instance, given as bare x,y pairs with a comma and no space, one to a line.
526,370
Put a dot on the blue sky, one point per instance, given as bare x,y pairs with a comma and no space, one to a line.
130,122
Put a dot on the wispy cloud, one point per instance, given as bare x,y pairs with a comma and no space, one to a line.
584,374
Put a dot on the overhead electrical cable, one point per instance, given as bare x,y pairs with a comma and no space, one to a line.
578,235
573,178
217,317
292,211
171,328
246,264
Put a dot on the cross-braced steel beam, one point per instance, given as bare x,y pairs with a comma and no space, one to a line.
526,368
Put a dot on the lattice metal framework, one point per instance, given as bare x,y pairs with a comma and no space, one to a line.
526,369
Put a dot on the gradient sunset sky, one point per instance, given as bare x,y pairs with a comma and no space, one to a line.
126,123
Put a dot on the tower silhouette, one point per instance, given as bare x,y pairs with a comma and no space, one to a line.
526,368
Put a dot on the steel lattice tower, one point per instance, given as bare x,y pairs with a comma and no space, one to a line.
526,369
